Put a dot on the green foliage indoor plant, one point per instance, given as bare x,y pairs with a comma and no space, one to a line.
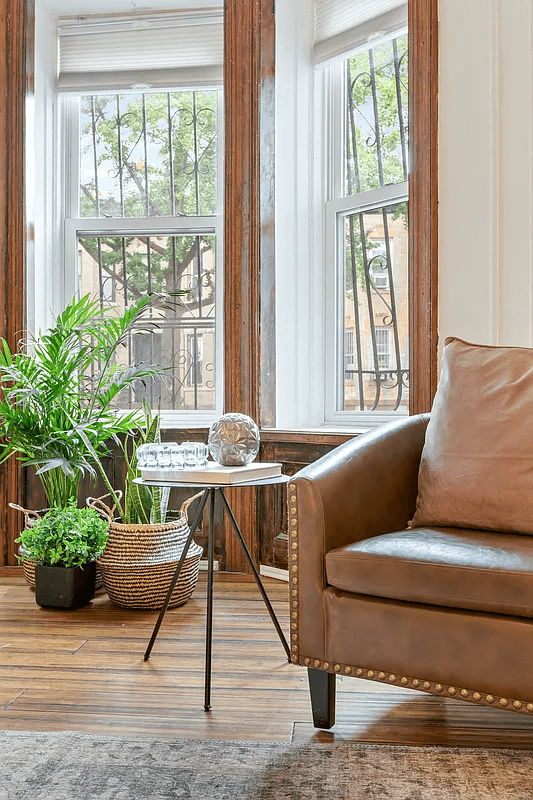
65,543
58,390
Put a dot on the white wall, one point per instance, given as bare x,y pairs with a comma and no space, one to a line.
486,171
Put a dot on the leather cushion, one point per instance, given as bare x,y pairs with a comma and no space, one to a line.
476,469
454,567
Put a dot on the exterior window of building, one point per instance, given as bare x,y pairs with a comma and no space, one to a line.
383,351
195,346
348,354
366,229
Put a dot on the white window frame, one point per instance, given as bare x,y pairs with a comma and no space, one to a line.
337,208
73,225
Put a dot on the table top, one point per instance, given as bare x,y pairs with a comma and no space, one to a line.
276,479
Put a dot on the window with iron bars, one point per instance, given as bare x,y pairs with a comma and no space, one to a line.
143,215
366,233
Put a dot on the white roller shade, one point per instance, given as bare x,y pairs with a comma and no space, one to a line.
161,51
342,26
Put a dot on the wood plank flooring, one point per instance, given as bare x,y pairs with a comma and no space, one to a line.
84,670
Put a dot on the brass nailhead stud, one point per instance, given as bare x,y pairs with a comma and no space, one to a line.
294,592
416,682
476,696
371,673
404,680
489,698
359,671
452,690
294,556
294,659
392,678
349,669
316,662
464,693
426,685
294,614
294,625
292,487
381,675
293,510
293,498
307,661
295,603
438,687
517,704
294,521
294,545
530,708
294,580
325,665
504,702
294,636
294,568
337,667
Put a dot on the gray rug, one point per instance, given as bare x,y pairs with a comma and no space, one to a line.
77,766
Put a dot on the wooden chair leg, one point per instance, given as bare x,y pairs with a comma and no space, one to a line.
322,689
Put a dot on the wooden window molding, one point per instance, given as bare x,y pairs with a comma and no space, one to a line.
423,203
15,78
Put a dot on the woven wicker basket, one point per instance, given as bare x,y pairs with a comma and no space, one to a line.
30,518
139,561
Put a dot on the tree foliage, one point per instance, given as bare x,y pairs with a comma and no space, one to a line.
149,155
376,102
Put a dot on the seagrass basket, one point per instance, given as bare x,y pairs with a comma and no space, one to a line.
139,561
28,567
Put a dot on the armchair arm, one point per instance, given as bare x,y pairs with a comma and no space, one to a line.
363,488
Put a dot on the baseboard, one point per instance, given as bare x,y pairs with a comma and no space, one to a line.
274,572
203,565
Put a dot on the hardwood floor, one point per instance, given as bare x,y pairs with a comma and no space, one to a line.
84,670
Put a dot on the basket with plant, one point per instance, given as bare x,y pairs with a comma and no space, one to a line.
144,544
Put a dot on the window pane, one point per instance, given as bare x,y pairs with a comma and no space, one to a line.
373,353
376,117
119,269
148,155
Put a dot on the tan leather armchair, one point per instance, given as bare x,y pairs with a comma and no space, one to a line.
447,611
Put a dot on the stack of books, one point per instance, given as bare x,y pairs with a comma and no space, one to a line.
214,473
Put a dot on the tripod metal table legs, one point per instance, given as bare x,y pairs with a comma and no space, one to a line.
210,492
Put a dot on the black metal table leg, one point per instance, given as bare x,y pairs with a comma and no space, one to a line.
209,621
255,574
174,580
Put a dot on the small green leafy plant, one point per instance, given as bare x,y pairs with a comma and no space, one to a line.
68,537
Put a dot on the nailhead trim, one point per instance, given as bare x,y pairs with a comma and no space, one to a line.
292,510
421,685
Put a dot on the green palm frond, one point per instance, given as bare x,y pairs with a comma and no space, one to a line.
58,390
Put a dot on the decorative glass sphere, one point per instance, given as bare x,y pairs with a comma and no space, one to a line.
234,440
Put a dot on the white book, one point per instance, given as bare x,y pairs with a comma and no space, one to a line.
214,473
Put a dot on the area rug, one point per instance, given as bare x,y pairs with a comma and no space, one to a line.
77,766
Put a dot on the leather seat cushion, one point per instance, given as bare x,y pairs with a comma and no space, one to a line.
469,569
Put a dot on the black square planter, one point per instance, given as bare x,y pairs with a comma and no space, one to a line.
64,587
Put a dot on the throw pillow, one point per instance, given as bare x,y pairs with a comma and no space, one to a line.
476,469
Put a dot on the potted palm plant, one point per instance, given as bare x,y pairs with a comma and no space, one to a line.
58,392
64,545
